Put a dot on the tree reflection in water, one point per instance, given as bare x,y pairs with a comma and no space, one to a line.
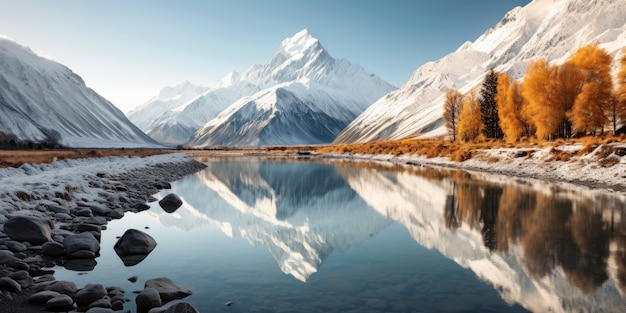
553,228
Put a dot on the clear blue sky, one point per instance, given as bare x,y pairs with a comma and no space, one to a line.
128,50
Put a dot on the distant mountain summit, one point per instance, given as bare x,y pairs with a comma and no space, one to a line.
42,101
304,96
301,96
551,29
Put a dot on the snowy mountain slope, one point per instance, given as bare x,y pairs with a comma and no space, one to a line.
304,96
544,28
39,97
169,98
176,124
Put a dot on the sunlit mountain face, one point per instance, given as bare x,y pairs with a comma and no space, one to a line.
545,247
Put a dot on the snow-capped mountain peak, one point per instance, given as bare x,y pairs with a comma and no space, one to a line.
298,44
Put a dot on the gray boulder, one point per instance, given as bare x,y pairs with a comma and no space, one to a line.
147,299
10,285
23,228
82,246
60,303
170,203
134,246
23,278
89,294
62,287
167,289
7,257
43,296
53,248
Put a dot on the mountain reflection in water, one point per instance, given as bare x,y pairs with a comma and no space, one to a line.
545,247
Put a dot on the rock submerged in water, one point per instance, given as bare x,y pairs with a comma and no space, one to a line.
167,289
171,203
33,230
134,246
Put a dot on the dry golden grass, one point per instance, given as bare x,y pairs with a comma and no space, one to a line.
458,151
15,158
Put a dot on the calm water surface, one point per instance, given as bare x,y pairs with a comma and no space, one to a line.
277,236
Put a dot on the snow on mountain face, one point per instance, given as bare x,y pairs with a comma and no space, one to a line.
39,97
544,28
169,98
303,96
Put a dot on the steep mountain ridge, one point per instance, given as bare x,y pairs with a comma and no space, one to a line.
42,99
544,28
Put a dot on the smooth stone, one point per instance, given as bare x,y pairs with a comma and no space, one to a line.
134,246
22,228
170,203
116,214
80,265
43,296
88,227
62,216
53,248
60,303
133,279
140,207
83,212
147,299
58,209
181,307
82,245
7,256
167,289
101,303
10,285
89,294
16,246
23,278
18,265
99,210
62,287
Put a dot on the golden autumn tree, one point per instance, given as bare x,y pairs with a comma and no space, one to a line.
589,113
541,89
452,111
470,122
620,94
510,104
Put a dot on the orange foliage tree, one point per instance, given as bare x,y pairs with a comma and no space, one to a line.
620,95
542,90
510,104
470,123
590,111
452,111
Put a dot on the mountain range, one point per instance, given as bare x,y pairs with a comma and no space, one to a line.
301,96
44,101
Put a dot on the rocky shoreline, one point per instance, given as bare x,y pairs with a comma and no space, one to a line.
52,222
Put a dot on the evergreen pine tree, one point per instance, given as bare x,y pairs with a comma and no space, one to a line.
488,107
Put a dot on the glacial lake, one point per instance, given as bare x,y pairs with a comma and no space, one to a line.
307,236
